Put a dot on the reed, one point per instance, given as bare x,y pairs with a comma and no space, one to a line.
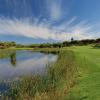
60,77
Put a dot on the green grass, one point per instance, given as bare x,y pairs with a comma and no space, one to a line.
5,53
23,48
75,76
48,50
8,51
88,85
55,85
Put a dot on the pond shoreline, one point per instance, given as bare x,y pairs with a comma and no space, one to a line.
58,73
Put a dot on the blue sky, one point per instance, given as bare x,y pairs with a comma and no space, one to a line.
38,21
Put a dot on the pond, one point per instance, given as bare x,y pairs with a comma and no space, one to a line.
24,63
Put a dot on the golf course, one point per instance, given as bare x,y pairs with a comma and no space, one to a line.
75,75
88,84
49,49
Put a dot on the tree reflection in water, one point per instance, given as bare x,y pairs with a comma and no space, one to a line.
13,59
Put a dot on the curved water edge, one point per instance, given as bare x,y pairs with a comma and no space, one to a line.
24,63
62,74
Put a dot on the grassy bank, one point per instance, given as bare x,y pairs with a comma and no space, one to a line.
54,86
8,51
5,53
75,76
88,86
48,50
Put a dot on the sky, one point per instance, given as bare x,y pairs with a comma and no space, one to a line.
39,21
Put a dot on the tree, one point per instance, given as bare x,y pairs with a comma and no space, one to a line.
72,39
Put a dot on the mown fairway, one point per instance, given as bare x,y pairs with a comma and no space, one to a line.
75,76
88,84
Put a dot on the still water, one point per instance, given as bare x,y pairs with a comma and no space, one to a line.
24,63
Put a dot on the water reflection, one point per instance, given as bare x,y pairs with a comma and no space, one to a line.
13,59
21,63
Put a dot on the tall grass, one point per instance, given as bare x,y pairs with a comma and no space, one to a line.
5,52
48,50
55,85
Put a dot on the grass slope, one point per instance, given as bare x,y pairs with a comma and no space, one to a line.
62,75
88,85
55,85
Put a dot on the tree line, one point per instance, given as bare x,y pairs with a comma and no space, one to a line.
4,45
68,43
72,42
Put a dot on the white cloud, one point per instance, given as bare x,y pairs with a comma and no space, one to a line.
43,31
54,9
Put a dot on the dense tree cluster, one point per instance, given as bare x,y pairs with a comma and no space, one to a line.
68,43
4,45
7,44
